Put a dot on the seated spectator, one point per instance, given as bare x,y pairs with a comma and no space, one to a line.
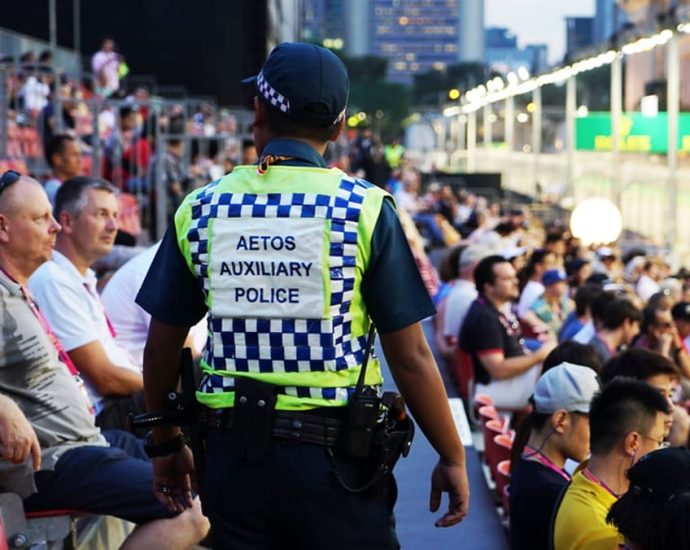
620,323
64,158
584,296
130,322
42,403
550,310
463,293
557,429
648,283
658,333
657,371
681,317
578,270
448,273
572,352
626,422
65,289
655,511
491,336
530,279
599,303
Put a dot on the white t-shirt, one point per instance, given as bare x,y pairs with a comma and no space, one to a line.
458,304
646,287
530,294
70,303
131,321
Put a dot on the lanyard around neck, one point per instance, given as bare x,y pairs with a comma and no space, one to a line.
546,462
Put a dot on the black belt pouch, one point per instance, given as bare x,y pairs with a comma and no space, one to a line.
253,419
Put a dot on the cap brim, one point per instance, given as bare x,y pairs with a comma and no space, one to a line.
249,79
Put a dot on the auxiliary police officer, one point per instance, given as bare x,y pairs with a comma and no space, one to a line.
292,262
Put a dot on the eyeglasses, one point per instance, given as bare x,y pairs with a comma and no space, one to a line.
8,178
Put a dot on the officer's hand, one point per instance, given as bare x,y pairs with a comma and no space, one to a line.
173,476
18,439
450,479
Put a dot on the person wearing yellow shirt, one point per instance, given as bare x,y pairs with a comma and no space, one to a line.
626,423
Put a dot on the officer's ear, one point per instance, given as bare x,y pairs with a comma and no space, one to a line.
259,113
338,129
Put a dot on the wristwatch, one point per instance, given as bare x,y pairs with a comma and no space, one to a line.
170,446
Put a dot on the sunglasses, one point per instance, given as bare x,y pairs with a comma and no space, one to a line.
8,178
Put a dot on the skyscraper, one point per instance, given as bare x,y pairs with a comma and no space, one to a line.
418,36
579,34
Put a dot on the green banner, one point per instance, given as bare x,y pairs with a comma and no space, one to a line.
638,133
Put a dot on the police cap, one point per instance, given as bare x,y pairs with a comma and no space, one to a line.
297,77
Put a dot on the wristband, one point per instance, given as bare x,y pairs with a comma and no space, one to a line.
154,450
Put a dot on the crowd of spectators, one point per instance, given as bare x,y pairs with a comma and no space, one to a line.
586,348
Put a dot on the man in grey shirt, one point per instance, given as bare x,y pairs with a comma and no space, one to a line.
76,467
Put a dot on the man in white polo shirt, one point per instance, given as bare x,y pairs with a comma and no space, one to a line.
65,289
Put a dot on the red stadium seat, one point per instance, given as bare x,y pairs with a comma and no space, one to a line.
490,430
486,413
502,484
502,445
463,373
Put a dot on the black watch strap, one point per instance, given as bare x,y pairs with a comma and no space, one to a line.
170,446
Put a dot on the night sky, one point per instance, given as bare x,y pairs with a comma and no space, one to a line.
207,46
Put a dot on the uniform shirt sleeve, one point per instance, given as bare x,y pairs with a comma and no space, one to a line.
170,292
481,332
392,287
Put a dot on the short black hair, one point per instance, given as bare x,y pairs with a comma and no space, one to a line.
484,272
282,126
448,269
638,363
617,311
572,352
651,524
71,194
584,297
624,405
599,303
649,315
56,146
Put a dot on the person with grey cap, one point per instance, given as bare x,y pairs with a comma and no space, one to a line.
557,429
463,293
294,263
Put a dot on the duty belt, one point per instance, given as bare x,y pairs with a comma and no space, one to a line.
296,426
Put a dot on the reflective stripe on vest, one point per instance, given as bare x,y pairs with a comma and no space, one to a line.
314,361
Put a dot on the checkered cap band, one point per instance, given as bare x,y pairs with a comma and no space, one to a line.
270,94
285,345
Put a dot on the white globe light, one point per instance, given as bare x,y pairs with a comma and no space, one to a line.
596,221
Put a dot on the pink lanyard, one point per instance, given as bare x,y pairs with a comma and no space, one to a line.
62,354
594,479
111,328
544,461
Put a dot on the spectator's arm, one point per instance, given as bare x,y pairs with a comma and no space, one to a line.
538,326
17,437
500,368
106,377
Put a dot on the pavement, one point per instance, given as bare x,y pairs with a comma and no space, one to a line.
481,529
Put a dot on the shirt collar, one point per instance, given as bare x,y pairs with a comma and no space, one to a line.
299,152
63,261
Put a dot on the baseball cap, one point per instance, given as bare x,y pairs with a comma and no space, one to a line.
552,276
513,252
681,311
574,265
566,386
473,254
297,76
659,475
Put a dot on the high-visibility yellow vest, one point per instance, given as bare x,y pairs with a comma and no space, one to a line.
280,258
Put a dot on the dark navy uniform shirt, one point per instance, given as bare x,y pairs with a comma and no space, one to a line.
392,288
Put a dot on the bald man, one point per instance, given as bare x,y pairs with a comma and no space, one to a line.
45,413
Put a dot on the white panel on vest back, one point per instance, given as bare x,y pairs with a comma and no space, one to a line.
267,268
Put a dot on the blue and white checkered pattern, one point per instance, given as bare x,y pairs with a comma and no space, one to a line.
285,345
270,94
